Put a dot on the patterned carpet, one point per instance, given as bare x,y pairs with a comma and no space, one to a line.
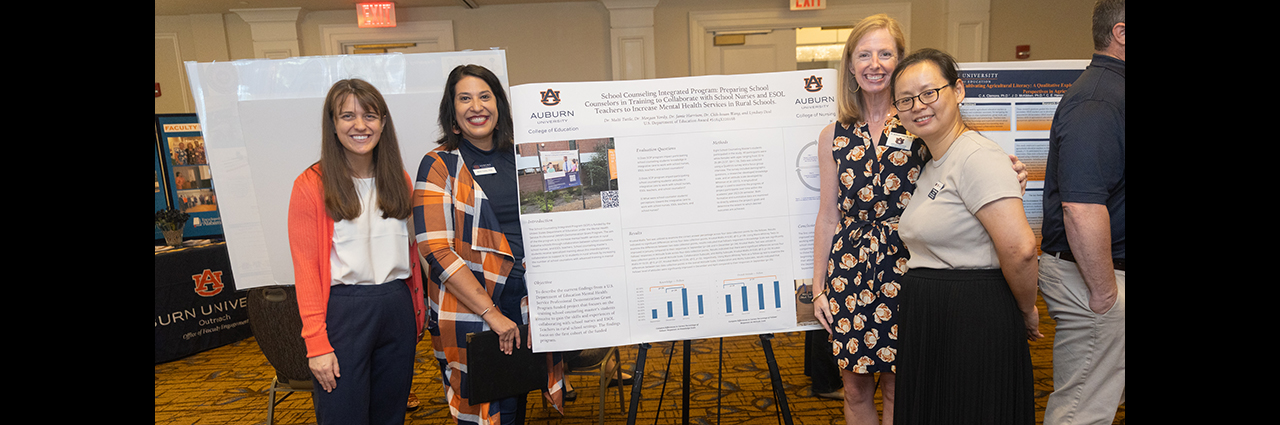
228,385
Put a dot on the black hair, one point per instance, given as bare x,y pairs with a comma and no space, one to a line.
503,132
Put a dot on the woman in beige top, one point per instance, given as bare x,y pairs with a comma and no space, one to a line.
967,303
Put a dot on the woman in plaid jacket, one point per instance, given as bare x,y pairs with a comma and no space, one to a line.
470,239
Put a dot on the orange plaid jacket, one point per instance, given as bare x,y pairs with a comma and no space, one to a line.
458,232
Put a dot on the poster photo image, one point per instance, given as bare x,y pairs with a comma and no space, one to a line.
191,174
566,175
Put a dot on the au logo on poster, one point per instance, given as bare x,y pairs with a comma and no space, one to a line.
813,84
550,97
208,283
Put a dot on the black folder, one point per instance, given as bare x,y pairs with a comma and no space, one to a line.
493,375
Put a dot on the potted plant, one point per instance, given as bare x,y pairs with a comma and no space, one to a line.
170,222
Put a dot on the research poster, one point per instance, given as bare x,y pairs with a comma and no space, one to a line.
1012,103
694,213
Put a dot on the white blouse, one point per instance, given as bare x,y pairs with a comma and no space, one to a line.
369,250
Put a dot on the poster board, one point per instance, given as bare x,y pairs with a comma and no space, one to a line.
707,229
261,122
1012,103
188,185
709,232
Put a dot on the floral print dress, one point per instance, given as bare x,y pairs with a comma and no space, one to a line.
876,180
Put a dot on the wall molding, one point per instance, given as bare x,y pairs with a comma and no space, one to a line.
631,39
171,38
702,23
274,30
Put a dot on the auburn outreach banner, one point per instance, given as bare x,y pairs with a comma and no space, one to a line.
197,306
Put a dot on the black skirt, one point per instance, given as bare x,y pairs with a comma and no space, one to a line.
963,356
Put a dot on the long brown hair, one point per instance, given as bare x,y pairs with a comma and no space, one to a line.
847,97
503,133
340,198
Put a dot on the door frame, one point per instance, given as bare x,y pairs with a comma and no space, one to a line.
701,23
755,41
334,36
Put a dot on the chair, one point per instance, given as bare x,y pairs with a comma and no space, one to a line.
595,360
273,316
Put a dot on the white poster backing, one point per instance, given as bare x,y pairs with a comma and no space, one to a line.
709,232
262,129
709,229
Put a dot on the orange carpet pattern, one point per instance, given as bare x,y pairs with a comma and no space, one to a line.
228,385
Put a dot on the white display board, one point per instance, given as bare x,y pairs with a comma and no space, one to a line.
709,230
710,226
261,121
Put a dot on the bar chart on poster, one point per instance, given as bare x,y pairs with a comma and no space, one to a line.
746,296
673,302
730,297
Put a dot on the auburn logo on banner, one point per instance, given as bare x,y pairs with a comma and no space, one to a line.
550,97
813,83
208,283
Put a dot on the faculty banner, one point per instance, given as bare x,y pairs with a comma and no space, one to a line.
695,213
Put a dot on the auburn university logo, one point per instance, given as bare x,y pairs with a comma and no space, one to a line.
551,97
813,83
208,283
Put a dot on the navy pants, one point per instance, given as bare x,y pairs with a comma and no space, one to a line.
372,330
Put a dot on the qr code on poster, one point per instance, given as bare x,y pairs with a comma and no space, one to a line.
609,199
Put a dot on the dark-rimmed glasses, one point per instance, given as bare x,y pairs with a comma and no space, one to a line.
926,97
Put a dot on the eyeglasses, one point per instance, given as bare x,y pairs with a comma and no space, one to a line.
927,97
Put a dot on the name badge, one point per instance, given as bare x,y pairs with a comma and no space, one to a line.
484,170
937,187
899,140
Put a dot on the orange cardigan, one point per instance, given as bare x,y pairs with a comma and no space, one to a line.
310,239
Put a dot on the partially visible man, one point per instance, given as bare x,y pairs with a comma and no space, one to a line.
1083,267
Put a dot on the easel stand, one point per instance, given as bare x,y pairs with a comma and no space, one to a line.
779,395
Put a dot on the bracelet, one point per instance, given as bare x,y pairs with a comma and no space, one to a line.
487,310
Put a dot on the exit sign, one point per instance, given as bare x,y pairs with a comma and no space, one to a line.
808,4
380,14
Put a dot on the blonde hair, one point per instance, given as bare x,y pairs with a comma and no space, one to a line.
847,98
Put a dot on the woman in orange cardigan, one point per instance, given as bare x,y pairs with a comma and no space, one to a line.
359,285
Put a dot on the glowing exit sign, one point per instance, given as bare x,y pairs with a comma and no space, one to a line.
381,14
808,4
